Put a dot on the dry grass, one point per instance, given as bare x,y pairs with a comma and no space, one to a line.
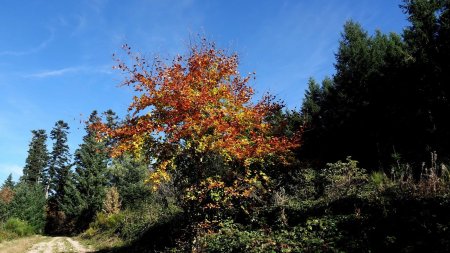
21,245
434,179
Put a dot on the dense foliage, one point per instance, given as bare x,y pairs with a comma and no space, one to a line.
90,175
389,94
197,124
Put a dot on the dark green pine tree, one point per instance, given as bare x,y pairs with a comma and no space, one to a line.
59,165
9,183
71,202
428,42
312,117
91,171
128,174
63,203
311,102
359,112
112,121
111,118
37,159
29,205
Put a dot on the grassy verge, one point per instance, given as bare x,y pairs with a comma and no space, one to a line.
22,244
102,242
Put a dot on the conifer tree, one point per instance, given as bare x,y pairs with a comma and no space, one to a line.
111,119
427,39
9,183
72,202
311,102
29,205
59,165
128,174
360,110
37,159
91,164
59,189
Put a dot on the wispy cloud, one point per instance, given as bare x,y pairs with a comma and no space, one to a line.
32,50
55,72
103,69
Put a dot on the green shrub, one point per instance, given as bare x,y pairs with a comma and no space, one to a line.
90,232
315,235
301,184
129,224
105,222
139,220
343,179
379,180
29,205
19,227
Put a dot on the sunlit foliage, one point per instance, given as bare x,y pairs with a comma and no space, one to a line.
198,102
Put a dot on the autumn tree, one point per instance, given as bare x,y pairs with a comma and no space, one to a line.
6,196
200,124
7,190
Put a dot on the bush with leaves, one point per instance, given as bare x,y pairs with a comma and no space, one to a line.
132,223
315,235
29,205
343,179
18,226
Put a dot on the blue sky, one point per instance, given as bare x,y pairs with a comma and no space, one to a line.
56,56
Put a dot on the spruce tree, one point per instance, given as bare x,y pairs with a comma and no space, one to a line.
61,193
91,164
111,119
428,39
112,122
128,174
72,203
9,183
37,159
311,102
366,108
59,165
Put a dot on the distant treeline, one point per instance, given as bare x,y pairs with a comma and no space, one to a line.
390,95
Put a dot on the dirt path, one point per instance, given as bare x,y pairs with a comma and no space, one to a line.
43,244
